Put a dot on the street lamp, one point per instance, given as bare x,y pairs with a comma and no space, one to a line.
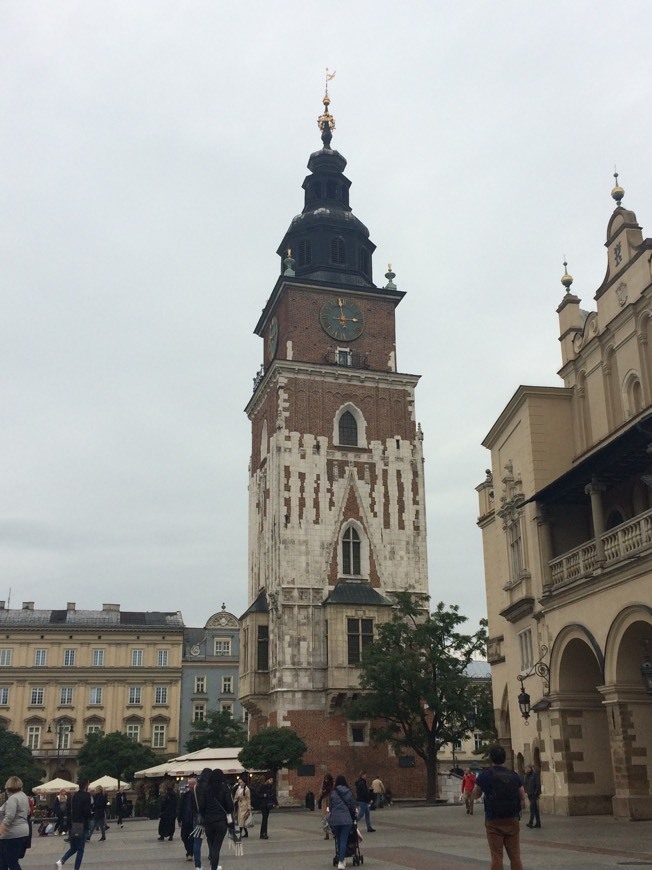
540,668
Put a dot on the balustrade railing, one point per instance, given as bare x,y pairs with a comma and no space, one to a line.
619,543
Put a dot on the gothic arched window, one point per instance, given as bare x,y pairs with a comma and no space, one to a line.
348,430
351,552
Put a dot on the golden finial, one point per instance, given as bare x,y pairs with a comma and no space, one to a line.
617,193
326,122
567,279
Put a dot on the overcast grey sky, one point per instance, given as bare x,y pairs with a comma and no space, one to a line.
151,159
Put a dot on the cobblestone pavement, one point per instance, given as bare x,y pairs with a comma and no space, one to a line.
407,838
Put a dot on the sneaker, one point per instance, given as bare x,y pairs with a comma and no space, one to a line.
341,866
59,865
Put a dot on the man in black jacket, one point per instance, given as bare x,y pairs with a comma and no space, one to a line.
99,813
363,797
79,817
187,817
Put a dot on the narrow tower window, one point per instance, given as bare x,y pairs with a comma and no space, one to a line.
351,552
305,252
348,429
338,254
363,261
330,189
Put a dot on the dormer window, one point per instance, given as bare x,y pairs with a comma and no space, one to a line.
338,251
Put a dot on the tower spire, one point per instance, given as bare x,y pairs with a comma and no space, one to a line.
617,193
326,122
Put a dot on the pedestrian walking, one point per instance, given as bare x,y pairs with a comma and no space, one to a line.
99,813
378,790
342,812
363,797
15,825
79,819
188,820
504,796
532,785
121,807
216,808
242,801
167,815
267,798
468,784
322,802
61,812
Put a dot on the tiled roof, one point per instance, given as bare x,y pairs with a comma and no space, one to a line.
114,618
356,593
260,605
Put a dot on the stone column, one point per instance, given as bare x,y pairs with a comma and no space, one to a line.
595,490
545,547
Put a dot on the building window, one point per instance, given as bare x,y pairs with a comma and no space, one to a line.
262,648
95,695
515,545
222,646
348,430
65,696
162,658
37,697
363,261
525,648
133,732
338,251
4,696
135,695
457,746
33,736
358,733
6,656
98,658
40,658
351,552
69,658
227,707
331,188
161,695
360,633
344,358
63,736
305,253
477,740
136,658
198,712
159,737
93,729
227,685
200,685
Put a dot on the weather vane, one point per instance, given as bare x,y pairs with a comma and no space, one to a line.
326,122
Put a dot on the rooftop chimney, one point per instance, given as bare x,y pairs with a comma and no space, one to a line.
28,605
113,607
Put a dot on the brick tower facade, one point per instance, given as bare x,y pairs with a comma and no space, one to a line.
336,487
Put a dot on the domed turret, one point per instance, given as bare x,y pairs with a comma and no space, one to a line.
327,241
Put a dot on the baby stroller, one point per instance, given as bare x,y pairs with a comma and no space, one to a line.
352,848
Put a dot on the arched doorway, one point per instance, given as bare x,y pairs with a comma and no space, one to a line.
582,779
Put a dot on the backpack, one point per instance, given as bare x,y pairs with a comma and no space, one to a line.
505,800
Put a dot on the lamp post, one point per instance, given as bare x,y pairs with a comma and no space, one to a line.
540,668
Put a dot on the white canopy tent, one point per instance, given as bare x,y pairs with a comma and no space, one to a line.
110,783
54,786
194,762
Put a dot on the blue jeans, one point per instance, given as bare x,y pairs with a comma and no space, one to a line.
97,822
341,834
363,810
77,845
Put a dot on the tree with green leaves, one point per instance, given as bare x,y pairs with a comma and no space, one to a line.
272,749
413,681
17,760
218,729
114,754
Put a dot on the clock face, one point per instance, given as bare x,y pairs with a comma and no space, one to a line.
272,337
342,319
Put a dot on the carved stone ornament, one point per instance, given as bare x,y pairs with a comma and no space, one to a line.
621,293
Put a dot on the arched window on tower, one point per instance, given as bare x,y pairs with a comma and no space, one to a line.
331,188
305,252
338,251
316,189
363,261
348,430
351,552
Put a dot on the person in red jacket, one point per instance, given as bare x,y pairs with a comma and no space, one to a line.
468,782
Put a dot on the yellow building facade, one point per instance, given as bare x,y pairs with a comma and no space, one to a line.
566,519
67,673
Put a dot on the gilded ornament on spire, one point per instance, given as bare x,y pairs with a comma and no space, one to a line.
326,122
617,193
567,279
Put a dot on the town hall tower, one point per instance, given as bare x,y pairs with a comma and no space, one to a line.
336,484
